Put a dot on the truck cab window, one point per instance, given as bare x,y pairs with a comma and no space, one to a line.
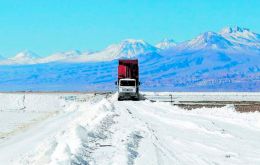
127,83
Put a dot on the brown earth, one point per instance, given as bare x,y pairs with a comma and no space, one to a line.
239,106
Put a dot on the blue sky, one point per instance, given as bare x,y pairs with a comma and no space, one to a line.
48,26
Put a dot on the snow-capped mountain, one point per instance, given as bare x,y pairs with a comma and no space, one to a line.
241,36
62,56
166,44
207,40
129,48
228,39
24,57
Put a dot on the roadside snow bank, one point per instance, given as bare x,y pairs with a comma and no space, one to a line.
73,143
28,118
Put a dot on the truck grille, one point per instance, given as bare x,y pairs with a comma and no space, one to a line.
127,90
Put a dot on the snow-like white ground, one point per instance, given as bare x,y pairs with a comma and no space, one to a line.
88,129
203,96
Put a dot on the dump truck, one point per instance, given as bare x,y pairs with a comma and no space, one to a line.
128,79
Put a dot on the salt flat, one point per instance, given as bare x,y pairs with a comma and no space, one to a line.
73,128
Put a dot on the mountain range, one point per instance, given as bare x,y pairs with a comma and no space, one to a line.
228,60
128,48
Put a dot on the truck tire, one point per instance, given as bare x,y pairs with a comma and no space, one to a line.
136,98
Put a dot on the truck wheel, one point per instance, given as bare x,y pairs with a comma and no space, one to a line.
135,99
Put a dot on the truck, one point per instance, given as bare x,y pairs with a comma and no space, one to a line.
128,79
